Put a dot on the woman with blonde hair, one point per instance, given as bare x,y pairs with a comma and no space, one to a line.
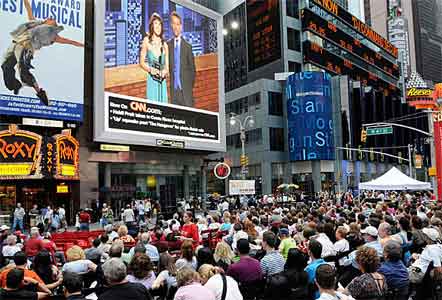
124,236
214,279
190,288
77,262
223,255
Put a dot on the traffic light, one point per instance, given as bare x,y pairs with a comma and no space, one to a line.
363,136
244,160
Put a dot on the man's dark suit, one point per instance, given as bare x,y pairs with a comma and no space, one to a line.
187,73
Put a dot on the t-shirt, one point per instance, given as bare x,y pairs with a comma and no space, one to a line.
19,294
128,215
126,291
215,284
27,273
285,246
272,263
85,217
78,266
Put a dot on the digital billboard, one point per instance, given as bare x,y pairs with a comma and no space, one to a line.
263,32
309,114
159,74
42,50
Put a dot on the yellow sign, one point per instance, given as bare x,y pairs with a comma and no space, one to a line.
151,181
62,189
23,169
68,170
415,92
119,148
432,171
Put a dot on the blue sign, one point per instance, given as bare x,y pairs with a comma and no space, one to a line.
309,113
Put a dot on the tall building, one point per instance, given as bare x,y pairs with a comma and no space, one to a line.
415,27
314,36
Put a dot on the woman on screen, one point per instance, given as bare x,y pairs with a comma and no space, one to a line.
154,59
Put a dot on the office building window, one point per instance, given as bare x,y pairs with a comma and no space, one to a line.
292,9
294,39
294,67
275,104
276,139
253,137
243,105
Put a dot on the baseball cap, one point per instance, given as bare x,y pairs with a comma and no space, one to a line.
370,230
284,231
432,233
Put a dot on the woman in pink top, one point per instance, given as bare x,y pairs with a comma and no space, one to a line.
190,288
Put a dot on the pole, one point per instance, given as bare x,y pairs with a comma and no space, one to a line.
433,153
243,148
410,163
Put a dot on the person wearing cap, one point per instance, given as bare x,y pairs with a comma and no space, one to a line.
432,253
287,242
394,269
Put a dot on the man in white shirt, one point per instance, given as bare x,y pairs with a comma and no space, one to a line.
431,253
341,244
128,215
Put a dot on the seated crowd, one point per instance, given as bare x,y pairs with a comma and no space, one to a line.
322,249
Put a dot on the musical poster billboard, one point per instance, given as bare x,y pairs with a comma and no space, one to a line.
42,64
159,74
310,119
263,32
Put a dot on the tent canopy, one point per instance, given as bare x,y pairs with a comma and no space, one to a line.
394,180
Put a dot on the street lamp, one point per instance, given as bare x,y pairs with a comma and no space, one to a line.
248,121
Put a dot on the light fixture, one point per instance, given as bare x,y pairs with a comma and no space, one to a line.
234,25
251,123
232,121
225,32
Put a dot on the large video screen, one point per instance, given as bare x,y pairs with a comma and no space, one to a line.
310,116
159,74
42,58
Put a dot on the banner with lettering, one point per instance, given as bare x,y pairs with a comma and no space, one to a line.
27,155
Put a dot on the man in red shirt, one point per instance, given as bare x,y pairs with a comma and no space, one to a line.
85,219
34,244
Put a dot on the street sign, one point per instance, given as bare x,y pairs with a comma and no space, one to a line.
245,170
380,130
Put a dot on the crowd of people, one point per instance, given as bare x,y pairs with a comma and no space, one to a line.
378,246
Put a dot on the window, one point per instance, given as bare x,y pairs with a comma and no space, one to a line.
294,39
294,67
275,104
253,137
255,100
276,139
292,9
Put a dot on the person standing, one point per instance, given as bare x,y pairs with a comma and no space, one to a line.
155,51
182,75
141,212
33,216
273,262
85,220
62,215
128,215
19,215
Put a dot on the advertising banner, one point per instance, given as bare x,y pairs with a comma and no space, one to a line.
42,50
241,187
159,74
309,113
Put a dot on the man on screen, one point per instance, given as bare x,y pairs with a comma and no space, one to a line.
181,65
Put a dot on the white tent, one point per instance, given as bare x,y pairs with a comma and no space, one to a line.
394,180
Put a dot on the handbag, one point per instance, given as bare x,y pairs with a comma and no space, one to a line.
416,275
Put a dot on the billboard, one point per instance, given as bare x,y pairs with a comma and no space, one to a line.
42,50
241,187
159,74
309,114
263,32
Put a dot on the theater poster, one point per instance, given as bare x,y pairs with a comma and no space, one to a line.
42,58
159,74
